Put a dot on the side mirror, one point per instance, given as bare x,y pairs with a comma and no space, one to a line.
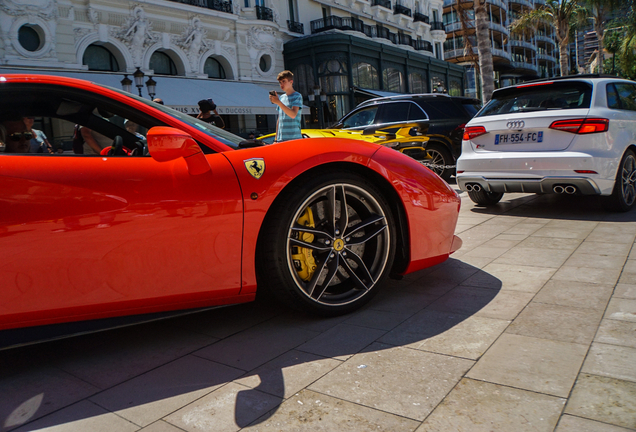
166,144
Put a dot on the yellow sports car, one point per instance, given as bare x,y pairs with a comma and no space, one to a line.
397,137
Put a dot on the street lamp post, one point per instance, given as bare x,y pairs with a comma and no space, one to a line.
151,85
126,84
139,80
319,97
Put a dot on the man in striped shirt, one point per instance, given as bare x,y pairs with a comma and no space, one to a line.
290,105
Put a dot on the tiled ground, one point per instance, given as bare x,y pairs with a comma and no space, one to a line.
531,326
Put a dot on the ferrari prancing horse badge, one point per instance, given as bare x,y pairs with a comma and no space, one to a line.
255,166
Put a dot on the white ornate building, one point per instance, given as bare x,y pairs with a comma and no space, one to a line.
230,51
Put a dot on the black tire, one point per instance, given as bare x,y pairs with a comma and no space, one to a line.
314,259
437,158
484,198
623,196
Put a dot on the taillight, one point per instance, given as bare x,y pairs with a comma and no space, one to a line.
473,132
581,126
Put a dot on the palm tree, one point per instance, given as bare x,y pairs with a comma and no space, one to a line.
628,47
560,14
484,49
598,10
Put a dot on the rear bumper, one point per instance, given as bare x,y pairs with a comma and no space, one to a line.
583,185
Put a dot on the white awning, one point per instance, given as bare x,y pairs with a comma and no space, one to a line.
231,97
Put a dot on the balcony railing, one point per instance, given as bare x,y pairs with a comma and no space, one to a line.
499,3
264,13
523,2
404,39
218,5
333,22
383,3
547,57
547,39
420,17
401,10
521,43
296,27
422,45
524,65
437,25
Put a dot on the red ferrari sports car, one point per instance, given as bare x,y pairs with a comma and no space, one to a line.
177,214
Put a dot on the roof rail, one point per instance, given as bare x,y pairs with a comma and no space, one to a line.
572,76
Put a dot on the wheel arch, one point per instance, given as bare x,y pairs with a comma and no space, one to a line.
397,209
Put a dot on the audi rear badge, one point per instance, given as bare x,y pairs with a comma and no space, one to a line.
516,124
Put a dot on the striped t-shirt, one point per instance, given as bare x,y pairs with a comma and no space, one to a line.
289,128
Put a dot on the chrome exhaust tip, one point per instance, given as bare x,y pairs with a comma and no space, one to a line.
558,189
469,187
476,187
570,189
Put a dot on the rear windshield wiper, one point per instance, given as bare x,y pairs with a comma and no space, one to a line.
528,109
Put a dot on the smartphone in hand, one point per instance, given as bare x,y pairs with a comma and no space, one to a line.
272,92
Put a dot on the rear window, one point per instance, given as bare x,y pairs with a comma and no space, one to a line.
471,107
441,109
551,96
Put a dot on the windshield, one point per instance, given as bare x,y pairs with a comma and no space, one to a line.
539,97
223,136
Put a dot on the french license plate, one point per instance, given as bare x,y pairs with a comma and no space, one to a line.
517,138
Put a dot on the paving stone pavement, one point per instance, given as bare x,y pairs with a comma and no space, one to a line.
531,326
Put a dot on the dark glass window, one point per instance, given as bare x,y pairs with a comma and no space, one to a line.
365,76
539,97
29,38
612,97
393,112
98,58
364,117
393,80
417,83
627,96
213,69
162,64
441,108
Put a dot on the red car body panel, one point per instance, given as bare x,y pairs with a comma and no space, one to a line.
96,237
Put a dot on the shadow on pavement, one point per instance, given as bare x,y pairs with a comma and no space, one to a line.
178,361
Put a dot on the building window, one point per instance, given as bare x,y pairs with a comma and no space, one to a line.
438,50
365,76
29,38
417,83
162,64
304,79
333,77
393,80
213,69
265,63
98,58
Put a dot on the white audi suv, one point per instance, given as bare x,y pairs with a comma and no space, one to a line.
567,135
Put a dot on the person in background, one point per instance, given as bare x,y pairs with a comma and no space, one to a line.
209,114
290,105
17,139
251,135
132,127
39,142
158,100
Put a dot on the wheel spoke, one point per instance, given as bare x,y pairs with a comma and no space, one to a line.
368,221
344,215
367,236
314,231
313,246
330,211
361,268
332,269
311,285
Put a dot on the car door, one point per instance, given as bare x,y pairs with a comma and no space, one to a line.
90,236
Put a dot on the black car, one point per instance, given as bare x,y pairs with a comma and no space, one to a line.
446,116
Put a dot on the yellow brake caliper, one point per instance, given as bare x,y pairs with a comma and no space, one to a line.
304,257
